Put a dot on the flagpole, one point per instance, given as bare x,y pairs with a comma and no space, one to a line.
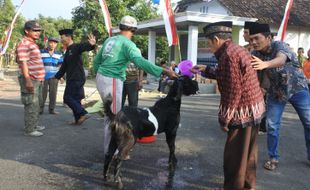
282,29
178,58
45,39
170,27
106,16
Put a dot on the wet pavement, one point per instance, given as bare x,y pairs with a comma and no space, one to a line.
70,157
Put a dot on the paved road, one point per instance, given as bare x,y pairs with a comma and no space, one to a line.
70,157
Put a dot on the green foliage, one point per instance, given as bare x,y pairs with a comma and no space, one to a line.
6,16
51,26
162,49
88,18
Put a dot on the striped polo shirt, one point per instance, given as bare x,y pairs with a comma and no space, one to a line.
51,62
28,51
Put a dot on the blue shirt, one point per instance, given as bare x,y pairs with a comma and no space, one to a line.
51,62
287,80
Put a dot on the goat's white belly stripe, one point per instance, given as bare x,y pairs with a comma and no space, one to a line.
152,119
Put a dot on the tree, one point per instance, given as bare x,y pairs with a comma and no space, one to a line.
6,16
88,18
51,26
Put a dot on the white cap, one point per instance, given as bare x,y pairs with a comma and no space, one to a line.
129,21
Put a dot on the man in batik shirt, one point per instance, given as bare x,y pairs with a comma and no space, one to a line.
287,84
241,107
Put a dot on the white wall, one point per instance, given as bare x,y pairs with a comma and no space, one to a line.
242,42
212,7
298,38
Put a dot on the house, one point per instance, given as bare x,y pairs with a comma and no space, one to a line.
190,26
192,15
266,11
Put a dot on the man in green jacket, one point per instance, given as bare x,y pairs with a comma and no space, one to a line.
110,65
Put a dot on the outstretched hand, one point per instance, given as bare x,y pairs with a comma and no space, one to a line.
171,74
258,64
91,39
198,68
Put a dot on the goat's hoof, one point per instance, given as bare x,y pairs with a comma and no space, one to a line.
105,178
120,185
172,166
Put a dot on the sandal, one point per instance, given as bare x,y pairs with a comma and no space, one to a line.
72,123
271,165
127,157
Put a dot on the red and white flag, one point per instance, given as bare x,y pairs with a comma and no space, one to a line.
170,26
8,31
282,29
106,16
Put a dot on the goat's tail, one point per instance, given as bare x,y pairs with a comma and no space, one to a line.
107,107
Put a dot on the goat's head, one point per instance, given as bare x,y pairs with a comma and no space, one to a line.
183,85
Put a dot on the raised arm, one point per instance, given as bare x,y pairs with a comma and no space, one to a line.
88,46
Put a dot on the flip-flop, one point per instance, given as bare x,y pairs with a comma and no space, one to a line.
271,165
82,119
71,123
127,157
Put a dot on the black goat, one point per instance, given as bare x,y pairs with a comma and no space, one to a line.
131,123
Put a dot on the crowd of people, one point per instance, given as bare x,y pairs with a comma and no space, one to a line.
255,83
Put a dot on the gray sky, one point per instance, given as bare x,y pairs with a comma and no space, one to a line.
53,8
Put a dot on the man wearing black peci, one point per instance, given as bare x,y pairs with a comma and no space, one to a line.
75,74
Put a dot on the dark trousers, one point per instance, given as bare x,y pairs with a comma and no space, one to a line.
130,89
74,93
50,87
240,159
262,126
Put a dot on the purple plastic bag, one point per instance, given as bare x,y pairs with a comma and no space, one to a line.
185,68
